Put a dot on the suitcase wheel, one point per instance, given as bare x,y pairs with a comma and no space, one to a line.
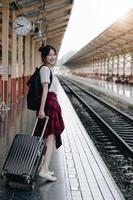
3,175
27,179
33,185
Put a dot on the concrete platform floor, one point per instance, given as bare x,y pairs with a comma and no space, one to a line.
20,120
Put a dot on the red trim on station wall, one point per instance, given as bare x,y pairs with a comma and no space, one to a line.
25,86
0,86
19,87
13,90
5,82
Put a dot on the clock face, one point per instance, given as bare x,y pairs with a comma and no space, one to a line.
22,26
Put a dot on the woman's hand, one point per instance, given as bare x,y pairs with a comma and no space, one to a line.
41,114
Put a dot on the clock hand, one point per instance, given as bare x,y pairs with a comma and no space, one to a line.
20,25
17,27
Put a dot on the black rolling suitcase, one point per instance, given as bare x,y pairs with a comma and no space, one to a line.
24,157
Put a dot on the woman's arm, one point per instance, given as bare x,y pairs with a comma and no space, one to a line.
41,113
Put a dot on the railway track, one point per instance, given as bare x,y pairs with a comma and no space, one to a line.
110,129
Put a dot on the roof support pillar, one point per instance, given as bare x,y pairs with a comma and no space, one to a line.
108,62
112,65
13,62
5,46
132,63
100,68
37,55
32,56
20,66
124,63
118,57
104,67
27,63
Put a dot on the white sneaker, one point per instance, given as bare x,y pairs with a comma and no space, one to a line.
47,171
47,175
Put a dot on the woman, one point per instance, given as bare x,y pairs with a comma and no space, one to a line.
49,106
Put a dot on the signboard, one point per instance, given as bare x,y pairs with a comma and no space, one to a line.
3,69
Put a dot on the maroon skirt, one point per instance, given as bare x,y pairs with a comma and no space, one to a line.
55,123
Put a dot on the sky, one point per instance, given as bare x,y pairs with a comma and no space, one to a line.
88,19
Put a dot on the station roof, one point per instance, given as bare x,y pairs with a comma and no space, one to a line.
116,39
51,16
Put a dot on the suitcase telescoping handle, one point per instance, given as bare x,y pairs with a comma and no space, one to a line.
46,118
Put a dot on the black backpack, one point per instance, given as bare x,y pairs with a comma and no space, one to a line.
35,90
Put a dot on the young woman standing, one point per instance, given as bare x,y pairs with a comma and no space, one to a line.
49,106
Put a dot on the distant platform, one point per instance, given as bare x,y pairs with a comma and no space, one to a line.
124,92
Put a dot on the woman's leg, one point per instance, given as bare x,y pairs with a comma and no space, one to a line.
44,172
49,151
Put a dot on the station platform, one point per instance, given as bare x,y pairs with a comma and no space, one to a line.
123,92
80,171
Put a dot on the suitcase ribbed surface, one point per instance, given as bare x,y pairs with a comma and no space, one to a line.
23,155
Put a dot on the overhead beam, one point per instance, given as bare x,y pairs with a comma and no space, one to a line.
58,20
49,37
36,6
57,26
25,10
53,13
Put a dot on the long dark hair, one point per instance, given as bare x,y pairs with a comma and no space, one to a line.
45,50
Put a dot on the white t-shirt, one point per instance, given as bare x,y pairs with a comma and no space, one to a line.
45,77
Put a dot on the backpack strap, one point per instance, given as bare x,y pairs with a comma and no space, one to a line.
51,79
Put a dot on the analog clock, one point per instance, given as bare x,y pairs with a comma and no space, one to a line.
22,25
